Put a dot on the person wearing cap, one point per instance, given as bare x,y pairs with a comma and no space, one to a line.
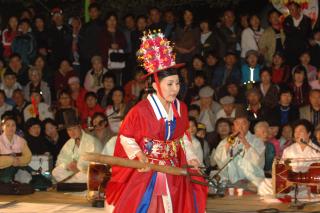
208,108
77,92
37,108
36,83
155,131
60,39
250,70
93,80
9,84
228,71
272,39
248,165
25,43
228,108
285,111
70,168
34,137
14,151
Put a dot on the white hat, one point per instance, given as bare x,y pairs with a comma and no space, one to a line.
206,92
227,100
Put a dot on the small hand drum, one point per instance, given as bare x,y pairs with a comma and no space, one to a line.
98,177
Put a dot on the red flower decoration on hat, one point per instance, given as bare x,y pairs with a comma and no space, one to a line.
156,53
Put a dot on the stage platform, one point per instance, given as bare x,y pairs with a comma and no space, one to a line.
57,202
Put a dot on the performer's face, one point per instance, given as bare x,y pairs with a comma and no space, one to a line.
74,132
170,87
241,125
301,133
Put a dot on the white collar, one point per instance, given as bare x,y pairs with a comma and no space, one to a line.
159,109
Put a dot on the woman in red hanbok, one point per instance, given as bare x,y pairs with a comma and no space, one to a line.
155,131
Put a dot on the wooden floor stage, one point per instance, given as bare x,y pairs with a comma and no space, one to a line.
61,202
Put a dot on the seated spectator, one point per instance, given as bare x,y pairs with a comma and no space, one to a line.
108,81
93,80
201,137
64,104
77,92
198,64
229,71
34,137
193,92
196,145
269,91
54,138
47,74
315,48
315,84
250,70
37,108
248,166
116,111
194,111
311,112
65,72
273,131
311,71
316,134
229,109
233,89
19,105
15,65
212,63
255,110
3,105
70,167
300,86
8,35
9,84
250,36
36,83
133,88
210,40
272,39
91,106
280,72
100,128
285,111
41,35
286,137
261,131
208,108
24,43
14,152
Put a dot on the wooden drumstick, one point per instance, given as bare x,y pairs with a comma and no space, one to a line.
123,162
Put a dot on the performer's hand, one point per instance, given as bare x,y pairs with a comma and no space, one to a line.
15,161
195,163
73,167
143,158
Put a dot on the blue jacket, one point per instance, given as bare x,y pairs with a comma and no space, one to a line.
220,78
245,73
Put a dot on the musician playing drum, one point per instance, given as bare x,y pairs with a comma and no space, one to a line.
301,153
154,131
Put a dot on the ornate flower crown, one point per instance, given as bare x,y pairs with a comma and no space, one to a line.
156,53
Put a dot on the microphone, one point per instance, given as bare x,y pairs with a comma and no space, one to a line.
308,145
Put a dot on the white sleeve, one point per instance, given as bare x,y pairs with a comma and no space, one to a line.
189,151
221,155
130,146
